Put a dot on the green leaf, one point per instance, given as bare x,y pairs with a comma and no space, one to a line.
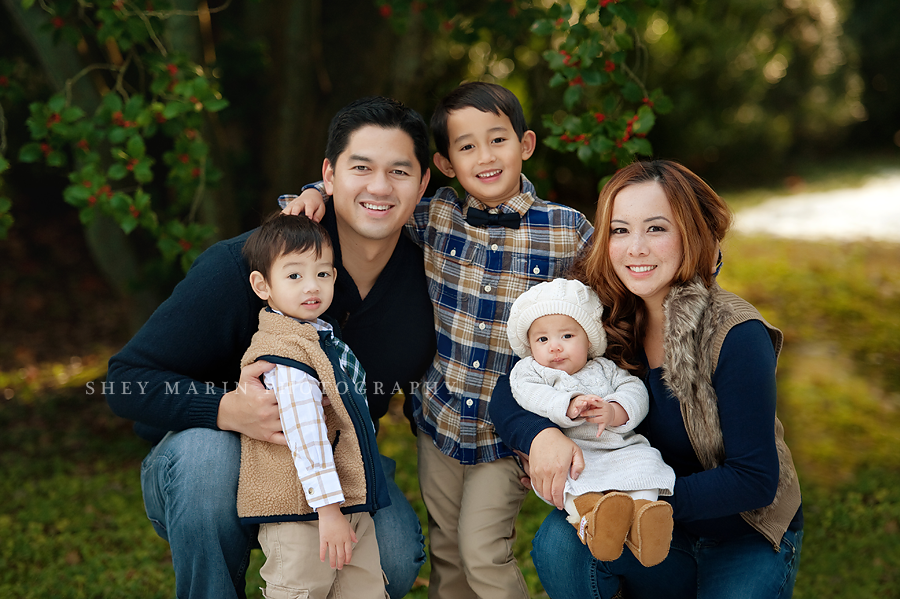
571,96
117,135
142,171
216,105
4,164
543,27
117,171
174,109
584,153
557,80
638,145
72,113
135,146
632,92
30,152
56,158
128,223
646,120
56,103
592,77
623,41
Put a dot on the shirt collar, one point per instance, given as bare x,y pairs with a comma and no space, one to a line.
318,324
519,203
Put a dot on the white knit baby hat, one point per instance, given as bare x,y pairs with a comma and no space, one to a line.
559,296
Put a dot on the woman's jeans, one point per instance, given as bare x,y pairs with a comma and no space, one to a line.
189,481
746,567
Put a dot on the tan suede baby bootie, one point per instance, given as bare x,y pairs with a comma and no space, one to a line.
605,521
651,531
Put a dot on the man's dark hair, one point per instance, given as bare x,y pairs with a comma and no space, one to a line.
380,112
486,97
283,234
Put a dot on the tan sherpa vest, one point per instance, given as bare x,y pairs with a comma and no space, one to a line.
697,321
268,485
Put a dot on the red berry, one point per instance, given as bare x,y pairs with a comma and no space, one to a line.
91,200
134,211
185,244
385,10
46,149
58,22
184,158
195,172
610,66
4,81
600,117
576,81
83,144
87,184
173,70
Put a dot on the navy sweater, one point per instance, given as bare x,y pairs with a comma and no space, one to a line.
187,355
706,502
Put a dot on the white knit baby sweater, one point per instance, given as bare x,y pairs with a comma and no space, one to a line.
619,459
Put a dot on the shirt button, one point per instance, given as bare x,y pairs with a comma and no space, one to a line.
452,252
487,287
476,364
469,402
495,247
536,270
481,326
310,491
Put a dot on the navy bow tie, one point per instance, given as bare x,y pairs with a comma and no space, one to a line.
480,218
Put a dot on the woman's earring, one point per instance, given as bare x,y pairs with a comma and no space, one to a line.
718,265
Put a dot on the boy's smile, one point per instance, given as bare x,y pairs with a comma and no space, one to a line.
485,154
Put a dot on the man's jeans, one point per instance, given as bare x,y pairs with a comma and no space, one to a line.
746,567
189,481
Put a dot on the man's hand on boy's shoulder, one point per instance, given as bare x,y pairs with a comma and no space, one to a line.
252,409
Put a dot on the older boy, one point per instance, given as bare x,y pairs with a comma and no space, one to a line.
481,253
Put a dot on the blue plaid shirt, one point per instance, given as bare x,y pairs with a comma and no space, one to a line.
474,276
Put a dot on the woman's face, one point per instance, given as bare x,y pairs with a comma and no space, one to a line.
645,244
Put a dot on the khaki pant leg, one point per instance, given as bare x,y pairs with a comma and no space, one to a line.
293,569
492,498
472,514
441,482
362,578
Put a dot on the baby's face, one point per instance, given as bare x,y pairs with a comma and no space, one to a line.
558,341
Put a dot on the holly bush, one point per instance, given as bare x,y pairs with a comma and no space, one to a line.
155,101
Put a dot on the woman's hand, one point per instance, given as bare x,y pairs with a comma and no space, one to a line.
553,457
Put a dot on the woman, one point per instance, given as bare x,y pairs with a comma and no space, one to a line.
708,360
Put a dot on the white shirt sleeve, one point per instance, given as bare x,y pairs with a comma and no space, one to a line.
299,398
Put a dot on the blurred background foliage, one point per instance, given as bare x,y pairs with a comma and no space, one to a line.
768,97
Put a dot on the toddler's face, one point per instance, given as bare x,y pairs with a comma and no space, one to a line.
558,341
300,284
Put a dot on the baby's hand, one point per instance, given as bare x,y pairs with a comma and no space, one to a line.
309,202
336,537
580,403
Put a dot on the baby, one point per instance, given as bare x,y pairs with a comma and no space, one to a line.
555,328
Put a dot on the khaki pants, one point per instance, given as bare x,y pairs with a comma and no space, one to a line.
472,514
293,569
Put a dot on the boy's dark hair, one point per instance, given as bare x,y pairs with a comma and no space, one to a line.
283,234
380,112
486,97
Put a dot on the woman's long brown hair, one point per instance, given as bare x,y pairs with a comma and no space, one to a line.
702,218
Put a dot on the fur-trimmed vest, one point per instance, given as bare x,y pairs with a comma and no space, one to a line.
697,321
268,486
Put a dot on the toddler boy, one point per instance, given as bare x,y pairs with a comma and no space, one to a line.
318,492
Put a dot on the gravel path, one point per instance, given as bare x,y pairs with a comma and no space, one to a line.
868,212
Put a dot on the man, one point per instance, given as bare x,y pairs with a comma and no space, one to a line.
193,399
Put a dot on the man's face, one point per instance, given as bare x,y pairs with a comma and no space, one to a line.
375,184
